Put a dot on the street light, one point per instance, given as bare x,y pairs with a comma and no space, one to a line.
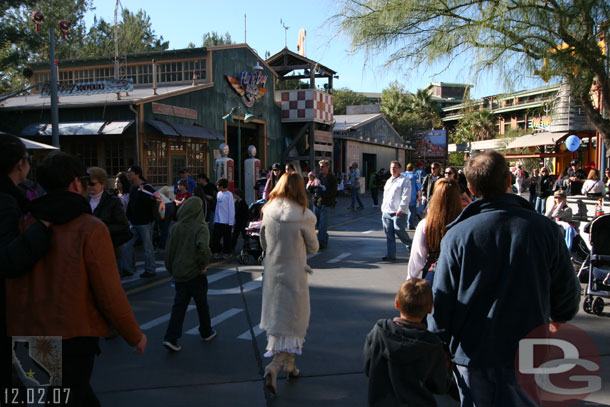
64,26
229,118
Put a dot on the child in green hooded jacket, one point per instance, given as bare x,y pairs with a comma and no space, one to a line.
187,255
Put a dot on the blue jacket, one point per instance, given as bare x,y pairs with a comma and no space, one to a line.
503,271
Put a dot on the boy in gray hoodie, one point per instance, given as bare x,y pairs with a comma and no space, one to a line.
187,255
405,362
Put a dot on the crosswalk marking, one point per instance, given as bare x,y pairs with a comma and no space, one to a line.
248,336
367,232
161,319
221,274
249,286
339,258
217,319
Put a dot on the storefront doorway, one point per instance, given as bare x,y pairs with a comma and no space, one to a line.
251,134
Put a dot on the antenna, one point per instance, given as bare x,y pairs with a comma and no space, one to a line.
245,26
285,33
116,41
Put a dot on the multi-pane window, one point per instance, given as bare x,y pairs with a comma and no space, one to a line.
167,72
197,157
157,162
86,152
115,157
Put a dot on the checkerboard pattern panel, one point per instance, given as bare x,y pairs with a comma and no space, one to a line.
306,105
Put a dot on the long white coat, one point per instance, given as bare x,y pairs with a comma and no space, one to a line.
288,235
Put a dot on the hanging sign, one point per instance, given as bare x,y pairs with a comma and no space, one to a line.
89,88
169,110
250,86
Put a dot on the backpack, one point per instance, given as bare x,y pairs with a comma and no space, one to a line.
526,174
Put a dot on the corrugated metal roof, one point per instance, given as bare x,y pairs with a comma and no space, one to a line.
352,121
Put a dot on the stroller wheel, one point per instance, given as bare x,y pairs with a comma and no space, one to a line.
243,259
587,305
598,306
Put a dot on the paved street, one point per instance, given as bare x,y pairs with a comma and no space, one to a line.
350,289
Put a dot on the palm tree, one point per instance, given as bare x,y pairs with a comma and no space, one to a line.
428,110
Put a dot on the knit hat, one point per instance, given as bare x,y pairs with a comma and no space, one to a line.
560,193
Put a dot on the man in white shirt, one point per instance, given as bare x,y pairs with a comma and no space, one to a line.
224,218
394,209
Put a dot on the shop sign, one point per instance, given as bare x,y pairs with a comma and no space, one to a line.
539,122
250,86
89,88
176,111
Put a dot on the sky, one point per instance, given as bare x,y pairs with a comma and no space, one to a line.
183,21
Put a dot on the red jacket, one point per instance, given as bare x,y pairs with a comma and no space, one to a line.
74,290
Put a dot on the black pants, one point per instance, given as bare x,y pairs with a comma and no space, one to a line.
375,195
222,231
197,289
236,232
78,356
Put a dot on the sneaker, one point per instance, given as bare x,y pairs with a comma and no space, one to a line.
216,256
171,346
147,274
386,258
226,256
126,274
375,206
210,336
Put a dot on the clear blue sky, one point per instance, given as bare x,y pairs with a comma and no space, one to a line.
184,21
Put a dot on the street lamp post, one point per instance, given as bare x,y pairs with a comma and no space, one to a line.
38,19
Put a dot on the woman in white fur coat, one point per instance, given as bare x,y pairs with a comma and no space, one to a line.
288,235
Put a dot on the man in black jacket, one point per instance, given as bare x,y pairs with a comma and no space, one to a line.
427,184
328,197
18,251
140,212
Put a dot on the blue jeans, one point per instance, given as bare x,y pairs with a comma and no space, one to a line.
145,234
493,387
356,196
395,225
412,217
540,205
321,213
197,289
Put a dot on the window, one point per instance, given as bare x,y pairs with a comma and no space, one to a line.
115,157
86,151
104,73
197,157
65,77
157,162
144,74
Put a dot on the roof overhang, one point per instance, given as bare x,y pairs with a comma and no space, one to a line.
89,128
537,139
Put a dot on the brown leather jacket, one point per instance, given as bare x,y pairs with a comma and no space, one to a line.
73,289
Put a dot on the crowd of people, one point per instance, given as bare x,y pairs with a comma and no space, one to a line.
455,302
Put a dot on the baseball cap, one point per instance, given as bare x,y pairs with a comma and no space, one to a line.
574,162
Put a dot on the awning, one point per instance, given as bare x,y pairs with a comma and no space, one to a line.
185,130
76,128
493,144
538,139
115,127
196,131
34,145
163,127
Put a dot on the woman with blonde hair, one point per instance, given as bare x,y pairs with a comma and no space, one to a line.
593,186
287,235
444,208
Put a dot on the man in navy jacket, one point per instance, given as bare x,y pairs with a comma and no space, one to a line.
503,270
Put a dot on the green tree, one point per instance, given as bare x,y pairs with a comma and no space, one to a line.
21,45
421,106
213,38
134,32
476,125
550,38
344,97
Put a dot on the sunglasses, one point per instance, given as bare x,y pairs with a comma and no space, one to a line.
92,183
448,173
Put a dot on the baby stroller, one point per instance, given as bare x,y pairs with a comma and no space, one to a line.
252,244
598,263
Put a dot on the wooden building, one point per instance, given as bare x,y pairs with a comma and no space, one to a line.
170,120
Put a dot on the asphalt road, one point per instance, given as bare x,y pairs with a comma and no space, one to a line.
350,289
